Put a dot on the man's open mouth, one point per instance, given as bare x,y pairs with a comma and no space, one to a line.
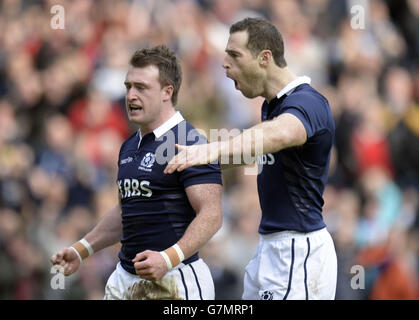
134,108
236,84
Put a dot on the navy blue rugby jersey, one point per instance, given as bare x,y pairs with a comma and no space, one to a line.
155,208
292,181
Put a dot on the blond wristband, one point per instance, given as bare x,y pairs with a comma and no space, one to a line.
83,249
173,256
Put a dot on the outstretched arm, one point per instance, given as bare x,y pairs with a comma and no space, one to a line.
271,136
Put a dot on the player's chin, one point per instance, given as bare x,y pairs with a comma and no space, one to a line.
135,119
249,94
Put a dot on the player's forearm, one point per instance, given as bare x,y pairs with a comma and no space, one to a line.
200,231
108,231
266,137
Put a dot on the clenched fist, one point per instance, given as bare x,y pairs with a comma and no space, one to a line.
67,259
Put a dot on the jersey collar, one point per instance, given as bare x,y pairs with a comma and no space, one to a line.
169,124
161,130
289,88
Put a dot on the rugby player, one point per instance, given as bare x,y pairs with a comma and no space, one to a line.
161,220
296,257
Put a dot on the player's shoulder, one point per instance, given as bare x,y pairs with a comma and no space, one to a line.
306,94
187,131
189,126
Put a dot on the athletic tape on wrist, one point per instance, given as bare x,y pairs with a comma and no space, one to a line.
167,259
78,254
83,249
173,256
179,252
88,246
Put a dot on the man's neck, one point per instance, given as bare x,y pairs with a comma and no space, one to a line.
276,81
165,115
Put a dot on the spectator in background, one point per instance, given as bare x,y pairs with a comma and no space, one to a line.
388,269
399,91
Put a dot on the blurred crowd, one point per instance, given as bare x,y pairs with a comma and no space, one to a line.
62,121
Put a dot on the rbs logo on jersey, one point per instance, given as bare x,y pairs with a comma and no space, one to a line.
134,188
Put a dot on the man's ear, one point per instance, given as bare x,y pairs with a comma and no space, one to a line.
265,58
167,92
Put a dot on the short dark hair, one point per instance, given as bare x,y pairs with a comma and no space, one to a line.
263,35
170,72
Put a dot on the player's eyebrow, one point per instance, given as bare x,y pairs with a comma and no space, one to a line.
232,52
135,83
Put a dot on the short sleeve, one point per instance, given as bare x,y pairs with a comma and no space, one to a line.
311,109
304,117
204,174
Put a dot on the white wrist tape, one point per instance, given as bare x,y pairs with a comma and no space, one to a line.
78,254
83,249
179,252
167,259
88,246
173,256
